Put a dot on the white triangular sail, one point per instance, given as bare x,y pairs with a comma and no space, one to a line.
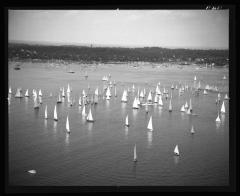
68,89
36,104
135,153
160,101
67,125
83,111
26,94
205,92
226,96
115,91
59,99
55,113
195,78
218,119
170,105
155,99
124,96
89,117
10,90
192,130
126,121
135,104
18,93
96,92
149,96
188,111
150,126
186,105
80,101
45,115
108,93
40,92
63,92
176,151
182,108
223,108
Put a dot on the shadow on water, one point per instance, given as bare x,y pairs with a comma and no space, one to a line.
67,139
126,132
149,138
36,112
90,127
182,115
45,124
107,104
222,119
135,114
54,126
176,160
134,169
218,125
123,106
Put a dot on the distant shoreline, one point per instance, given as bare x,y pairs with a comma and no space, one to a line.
106,55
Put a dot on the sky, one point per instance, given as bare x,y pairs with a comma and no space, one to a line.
197,29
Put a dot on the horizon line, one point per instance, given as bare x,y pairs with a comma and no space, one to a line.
109,45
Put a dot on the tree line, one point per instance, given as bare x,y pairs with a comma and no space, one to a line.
116,54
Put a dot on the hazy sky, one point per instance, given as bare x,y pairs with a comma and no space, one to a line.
163,28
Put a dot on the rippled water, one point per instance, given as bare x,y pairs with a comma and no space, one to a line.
101,153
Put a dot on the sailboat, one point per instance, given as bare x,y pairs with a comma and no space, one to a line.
182,108
149,99
172,87
226,97
176,151
83,111
40,99
224,77
205,92
126,122
55,114
223,108
186,105
135,104
80,101
192,130
160,100
195,78
45,115
219,96
150,126
124,96
115,91
26,94
10,90
155,99
89,117
68,89
40,92
141,94
108,93
36,104
59,99
190,105
18,93
96,92
67,125
170,105
188,111
63,93
218,119
135,154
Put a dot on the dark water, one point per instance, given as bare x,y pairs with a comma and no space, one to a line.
101,153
